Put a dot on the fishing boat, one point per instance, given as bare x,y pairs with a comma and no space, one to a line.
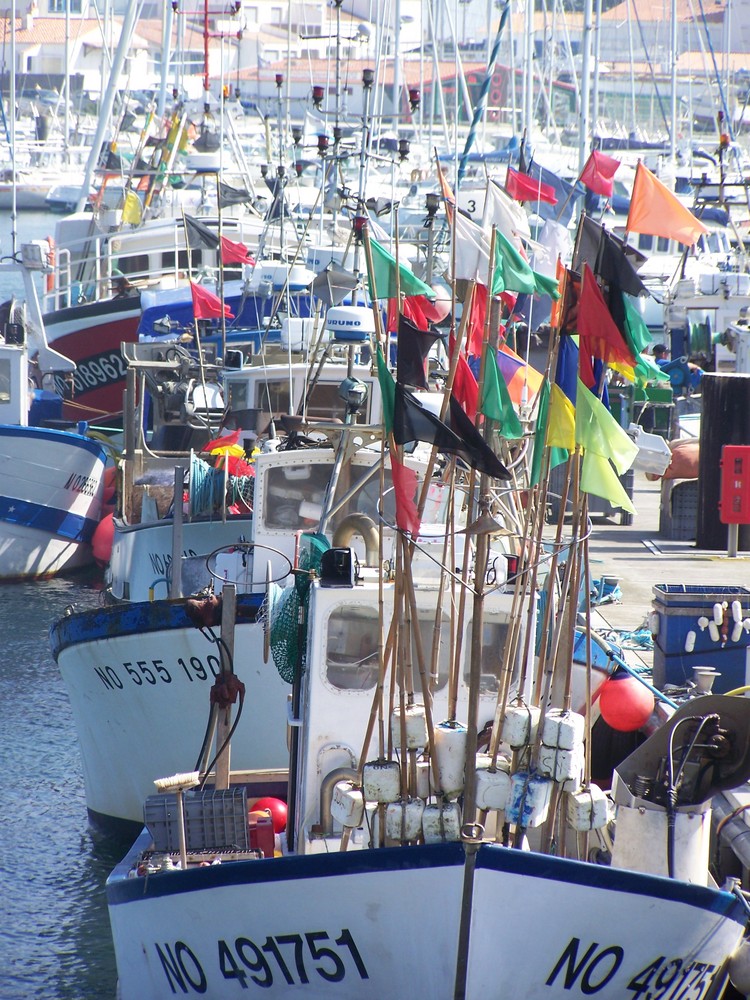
231,526
52,477
432,789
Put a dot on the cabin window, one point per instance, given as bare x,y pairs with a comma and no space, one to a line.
324,403
493,647
662,245
352,649
5,381
294,496
272,396
645,242
137,264
237,395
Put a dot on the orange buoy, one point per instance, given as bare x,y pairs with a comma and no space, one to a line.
625,703
104,536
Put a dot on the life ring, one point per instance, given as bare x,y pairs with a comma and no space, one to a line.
50,279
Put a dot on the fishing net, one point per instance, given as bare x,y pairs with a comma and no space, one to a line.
210,488
285,611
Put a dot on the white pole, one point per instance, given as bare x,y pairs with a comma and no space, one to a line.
166,48
66,138
585,119
132,11
12,95
673,83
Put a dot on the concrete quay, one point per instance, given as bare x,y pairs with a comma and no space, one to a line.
642,558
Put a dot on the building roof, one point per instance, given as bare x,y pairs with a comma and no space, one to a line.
51,31
413,72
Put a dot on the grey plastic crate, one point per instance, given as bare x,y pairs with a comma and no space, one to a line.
678,515
213,819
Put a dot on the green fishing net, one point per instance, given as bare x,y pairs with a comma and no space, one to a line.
286,611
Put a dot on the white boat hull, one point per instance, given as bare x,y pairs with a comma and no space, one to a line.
140,567
385,923
50,500
139,680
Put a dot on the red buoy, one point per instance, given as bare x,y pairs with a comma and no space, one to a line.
625,703
109,480
101,542
277,809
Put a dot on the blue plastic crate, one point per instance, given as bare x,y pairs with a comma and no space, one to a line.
679,606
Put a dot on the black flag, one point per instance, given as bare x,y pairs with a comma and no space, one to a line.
413,422
200,237
411,356
608,257
476,452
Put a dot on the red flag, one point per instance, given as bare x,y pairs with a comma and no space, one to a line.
476,319
206,305
226,441
405,488
599,336
598,173
465,387
234,253
524,188
413,308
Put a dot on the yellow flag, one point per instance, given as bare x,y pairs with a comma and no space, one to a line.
598,432
599,477
132,211
561,426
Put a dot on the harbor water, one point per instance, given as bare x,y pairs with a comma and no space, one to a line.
54,931
55,940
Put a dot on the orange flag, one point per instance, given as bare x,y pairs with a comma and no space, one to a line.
655,211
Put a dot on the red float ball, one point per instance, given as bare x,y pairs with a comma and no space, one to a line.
625,703
101,543
277,809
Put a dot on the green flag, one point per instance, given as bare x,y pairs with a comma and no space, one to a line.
387,391
646,370
598,432
513,273
496,402
637,334
383,278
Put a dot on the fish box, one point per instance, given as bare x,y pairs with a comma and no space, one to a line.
213,819
678,608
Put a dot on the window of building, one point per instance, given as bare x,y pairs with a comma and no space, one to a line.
60,6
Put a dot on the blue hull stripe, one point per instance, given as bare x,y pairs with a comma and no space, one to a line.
55,437
136,619
50,520
616,879
286,869
490,857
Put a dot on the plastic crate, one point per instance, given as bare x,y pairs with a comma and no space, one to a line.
213,818
679,606
597,505
678,515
